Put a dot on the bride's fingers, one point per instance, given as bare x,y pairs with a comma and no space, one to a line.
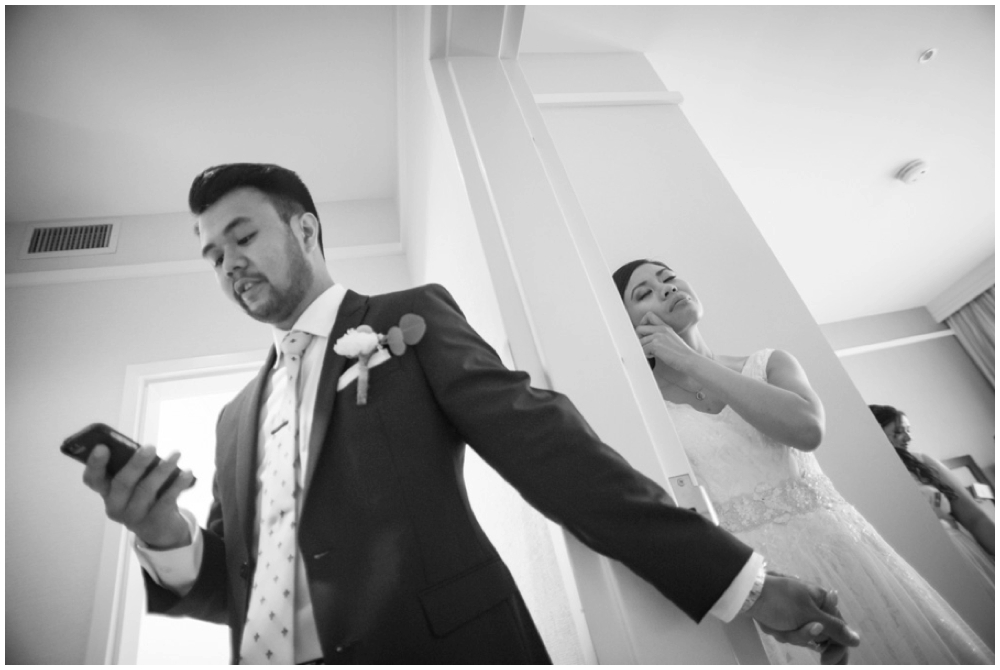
650,329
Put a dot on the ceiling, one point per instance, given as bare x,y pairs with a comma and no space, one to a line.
113,110
809,111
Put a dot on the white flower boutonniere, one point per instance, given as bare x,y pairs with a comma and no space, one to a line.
362,343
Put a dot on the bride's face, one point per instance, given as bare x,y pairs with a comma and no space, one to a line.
898,432
654,288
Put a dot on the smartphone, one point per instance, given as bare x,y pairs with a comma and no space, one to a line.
80,444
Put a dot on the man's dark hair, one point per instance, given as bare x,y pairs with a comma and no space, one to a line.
286,191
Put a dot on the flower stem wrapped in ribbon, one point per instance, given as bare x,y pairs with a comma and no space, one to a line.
362,343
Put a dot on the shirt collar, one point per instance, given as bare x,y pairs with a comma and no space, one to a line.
319,317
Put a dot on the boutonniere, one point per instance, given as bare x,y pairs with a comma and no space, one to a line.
362,343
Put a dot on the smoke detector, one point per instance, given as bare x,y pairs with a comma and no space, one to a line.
912,172
927,55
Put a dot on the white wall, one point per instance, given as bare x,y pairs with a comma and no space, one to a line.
67,348
950,404
438,229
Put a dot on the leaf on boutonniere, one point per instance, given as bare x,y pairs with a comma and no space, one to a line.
413,327
394,338
410,330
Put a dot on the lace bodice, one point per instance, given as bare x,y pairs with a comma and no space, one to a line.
777,500
750,478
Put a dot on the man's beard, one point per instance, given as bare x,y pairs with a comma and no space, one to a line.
282,303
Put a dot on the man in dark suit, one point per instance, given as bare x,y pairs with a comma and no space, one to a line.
391,565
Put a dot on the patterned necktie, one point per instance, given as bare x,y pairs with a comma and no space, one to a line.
268,636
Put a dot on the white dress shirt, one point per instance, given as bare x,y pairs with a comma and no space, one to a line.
177,569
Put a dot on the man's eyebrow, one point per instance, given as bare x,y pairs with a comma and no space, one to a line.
225,231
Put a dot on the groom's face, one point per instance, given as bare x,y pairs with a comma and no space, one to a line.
259,260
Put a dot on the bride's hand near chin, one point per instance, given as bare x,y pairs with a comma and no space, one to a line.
660,341
785,407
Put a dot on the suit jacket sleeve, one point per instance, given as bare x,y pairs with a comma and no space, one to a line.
538,441
208,598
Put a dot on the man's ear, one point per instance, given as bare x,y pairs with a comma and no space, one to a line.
309,225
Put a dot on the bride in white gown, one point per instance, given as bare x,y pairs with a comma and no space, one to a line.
748,425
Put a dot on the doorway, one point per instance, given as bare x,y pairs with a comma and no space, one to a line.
175,405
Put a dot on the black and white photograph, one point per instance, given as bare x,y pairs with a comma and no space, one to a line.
500,334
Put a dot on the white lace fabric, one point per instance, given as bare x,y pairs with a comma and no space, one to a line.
777,500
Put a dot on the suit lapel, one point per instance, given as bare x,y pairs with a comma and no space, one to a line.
246,454
352,310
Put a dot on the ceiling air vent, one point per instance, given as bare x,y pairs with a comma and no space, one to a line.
61,239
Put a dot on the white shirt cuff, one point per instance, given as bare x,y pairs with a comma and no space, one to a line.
729,605
174,569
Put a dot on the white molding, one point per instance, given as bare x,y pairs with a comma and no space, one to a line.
608,99
510,33
965,289
892,344
77,275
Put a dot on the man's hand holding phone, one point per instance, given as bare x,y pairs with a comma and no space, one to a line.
133,496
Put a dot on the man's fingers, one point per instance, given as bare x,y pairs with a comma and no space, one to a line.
837,630
811,636
651,318
834,654
132,472
95,472
829,604
803,636
123,484
185,480
153,479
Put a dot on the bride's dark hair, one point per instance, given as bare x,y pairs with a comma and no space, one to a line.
624,273
886,415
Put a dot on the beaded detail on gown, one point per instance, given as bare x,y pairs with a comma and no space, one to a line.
777,500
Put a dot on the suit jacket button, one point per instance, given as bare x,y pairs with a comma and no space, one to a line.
339,650
245,570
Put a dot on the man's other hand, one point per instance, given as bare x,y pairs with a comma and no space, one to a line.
795,612
130,497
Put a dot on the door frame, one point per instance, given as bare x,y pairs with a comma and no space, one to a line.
114,629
